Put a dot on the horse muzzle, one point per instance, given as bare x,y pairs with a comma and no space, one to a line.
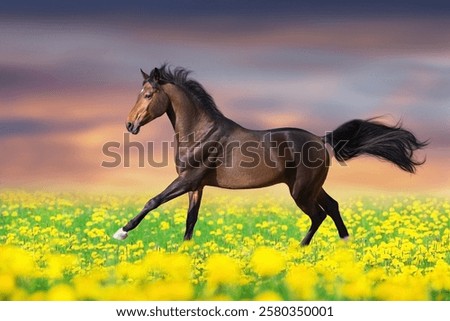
133,128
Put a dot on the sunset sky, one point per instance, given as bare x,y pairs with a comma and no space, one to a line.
69,74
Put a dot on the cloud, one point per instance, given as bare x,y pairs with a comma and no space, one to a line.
264,9
15,127
257,104
367,36
41,160
23,127
67,84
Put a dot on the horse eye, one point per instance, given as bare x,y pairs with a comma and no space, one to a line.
149,95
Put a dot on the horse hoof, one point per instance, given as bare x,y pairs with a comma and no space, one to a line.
346,238
120,234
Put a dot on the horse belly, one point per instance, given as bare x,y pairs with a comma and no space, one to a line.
241,177
248,172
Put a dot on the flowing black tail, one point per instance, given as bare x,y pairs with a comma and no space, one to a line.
358,137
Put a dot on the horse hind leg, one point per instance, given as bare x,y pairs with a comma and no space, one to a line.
308,204
331,207
317,216
305,189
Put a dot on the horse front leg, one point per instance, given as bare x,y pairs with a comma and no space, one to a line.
178,187
195,199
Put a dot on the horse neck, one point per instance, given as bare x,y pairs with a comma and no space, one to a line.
186,116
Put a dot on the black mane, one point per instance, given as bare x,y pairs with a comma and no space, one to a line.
180,77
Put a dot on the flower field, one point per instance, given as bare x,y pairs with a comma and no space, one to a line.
59,247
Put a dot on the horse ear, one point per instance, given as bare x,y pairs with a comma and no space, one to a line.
144,75
156,75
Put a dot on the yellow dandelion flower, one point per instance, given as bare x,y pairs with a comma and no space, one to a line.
222,269
301,281
267,261
170,290
87,288
358,289
164,225
16,261
7,284
268,296
61,292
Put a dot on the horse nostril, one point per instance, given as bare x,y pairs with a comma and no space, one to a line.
129,125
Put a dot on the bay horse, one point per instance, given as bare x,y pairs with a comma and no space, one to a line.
212,150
